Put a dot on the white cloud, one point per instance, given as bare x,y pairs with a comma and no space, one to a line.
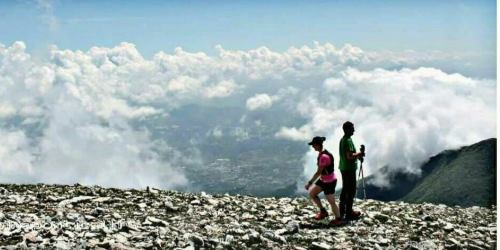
222,89
6,110
76,148
259,101
15,155
402,116
184,84
76,107
304,133
40,78
265,101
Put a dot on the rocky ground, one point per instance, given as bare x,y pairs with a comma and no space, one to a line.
81,217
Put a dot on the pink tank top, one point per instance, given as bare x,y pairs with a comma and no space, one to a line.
324,161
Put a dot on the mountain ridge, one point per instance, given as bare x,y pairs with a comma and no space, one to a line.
446,178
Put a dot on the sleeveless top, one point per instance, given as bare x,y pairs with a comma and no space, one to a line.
327,175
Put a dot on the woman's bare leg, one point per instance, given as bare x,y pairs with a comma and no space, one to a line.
314,190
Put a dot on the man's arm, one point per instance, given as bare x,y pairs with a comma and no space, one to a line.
351,151
352,155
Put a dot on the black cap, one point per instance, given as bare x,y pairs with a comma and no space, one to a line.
318,140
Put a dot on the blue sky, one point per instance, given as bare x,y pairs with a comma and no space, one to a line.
456,27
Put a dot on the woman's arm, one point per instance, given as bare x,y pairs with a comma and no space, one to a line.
315,176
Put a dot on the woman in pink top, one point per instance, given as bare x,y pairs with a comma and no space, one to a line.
326,182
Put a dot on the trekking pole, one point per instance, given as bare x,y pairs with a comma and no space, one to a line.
362,149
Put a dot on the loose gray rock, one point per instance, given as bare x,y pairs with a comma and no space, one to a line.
197,240
292,227
381,217
83,217
320,246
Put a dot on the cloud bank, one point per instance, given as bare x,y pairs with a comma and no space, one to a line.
67,118
403,117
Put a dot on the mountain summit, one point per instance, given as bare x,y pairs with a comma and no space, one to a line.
71,217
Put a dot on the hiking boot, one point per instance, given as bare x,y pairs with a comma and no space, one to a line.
353,216
337,222
321,215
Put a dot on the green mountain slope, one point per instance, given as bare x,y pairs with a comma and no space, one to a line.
464,177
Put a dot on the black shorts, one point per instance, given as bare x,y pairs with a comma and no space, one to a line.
328,188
